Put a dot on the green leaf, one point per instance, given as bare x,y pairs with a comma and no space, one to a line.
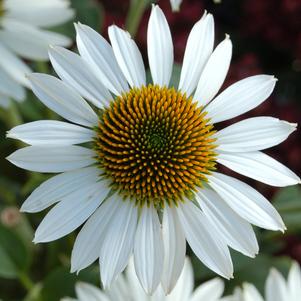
288,203
14,257
60,282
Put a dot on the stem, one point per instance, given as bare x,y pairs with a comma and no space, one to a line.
137,8
26,281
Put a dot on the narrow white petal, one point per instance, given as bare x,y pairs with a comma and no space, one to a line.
62,99
159,47
14,66
149,249
275,287
99,54
29,41
70,213
38,13
241,97
246,202
175,5
51,132
72,69
137,292
52,158
203,239
236,232
119,290
294,282
184,286
198,50
88,292
128,56
259,166
58,187
118,244
250,293
211,290
253,134
9,86
174,248
88,243
214,73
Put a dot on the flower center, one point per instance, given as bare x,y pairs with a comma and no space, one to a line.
155,145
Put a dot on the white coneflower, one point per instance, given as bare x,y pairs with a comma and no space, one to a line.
146,179
127,288
276,288
22,34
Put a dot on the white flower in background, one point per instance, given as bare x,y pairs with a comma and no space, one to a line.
127,288
175,4
276,288
22,34
146,179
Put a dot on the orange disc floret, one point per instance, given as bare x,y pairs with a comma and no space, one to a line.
155,145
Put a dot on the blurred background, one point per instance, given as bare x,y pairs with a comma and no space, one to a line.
267,39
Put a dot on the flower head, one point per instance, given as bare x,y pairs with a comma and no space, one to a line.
22,34
144,179
127,288
276,288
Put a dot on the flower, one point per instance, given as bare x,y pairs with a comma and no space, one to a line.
276,288
127,288
175,5
145,179
22,34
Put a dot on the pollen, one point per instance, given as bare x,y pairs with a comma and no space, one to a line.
156,145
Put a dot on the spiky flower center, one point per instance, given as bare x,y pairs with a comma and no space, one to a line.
155,145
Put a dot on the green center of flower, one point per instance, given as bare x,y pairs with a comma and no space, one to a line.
155,145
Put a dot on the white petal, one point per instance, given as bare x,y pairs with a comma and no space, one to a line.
184,286
87,292
136,290
99,54
174,248
72,69
58,187
29,41
203,239
128,56
62,99
88,243
246,202
241,97
214,73
50,132
175,5
198,50
70,213
250,293
159,47
149,250
253,134
237,232
4,101
259,166
9,86
210,291
275,287
39,13
52,158
15,67
119,241
294,281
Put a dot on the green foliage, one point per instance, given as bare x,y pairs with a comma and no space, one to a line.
14,257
